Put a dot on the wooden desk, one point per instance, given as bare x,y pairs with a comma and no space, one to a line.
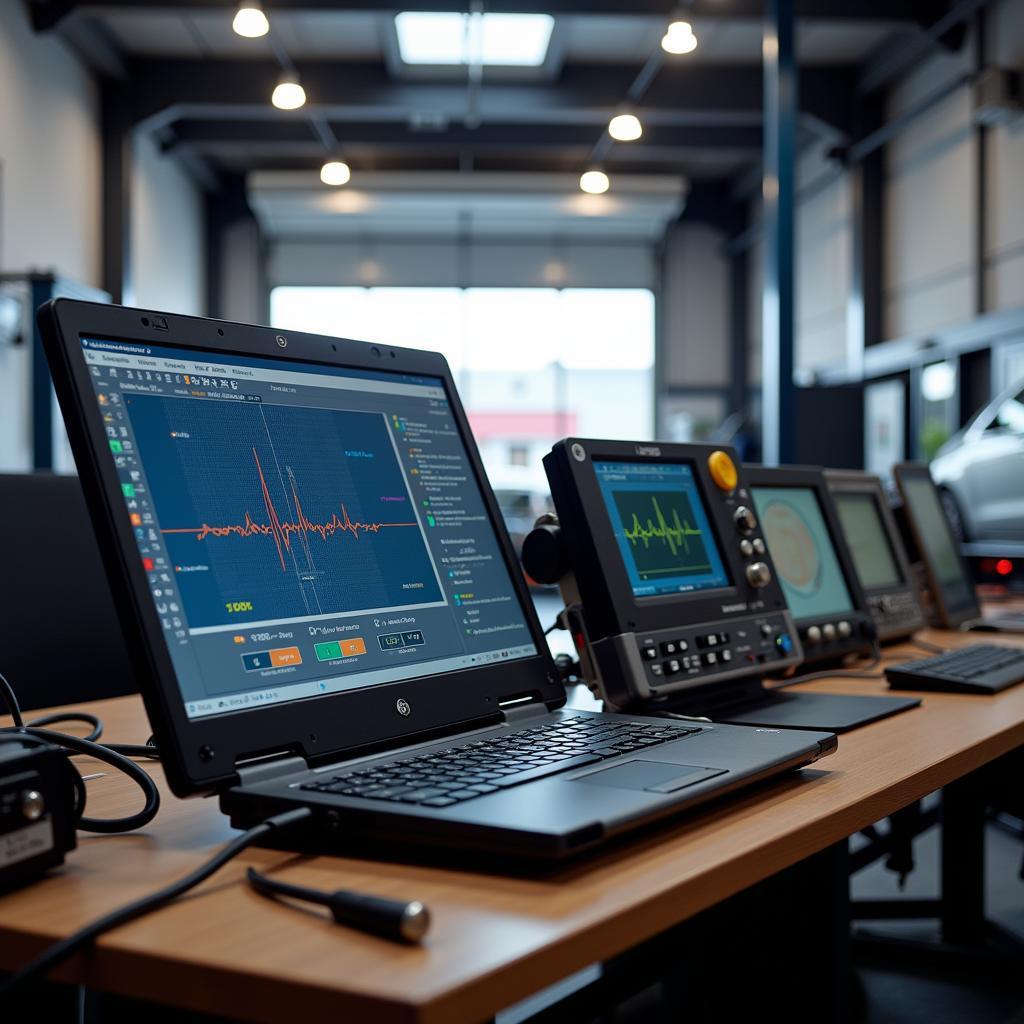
496,939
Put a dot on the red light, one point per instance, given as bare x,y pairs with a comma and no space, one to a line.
1004,567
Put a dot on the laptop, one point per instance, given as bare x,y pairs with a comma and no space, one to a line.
323,606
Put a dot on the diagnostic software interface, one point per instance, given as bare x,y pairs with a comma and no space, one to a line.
305,529
661,527
868,541
802,550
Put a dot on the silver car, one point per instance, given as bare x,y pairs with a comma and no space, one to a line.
980,471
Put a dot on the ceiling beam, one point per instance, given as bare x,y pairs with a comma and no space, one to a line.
166,91
47,14
200,135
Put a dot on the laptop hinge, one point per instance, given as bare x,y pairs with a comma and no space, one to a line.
519,710
265,769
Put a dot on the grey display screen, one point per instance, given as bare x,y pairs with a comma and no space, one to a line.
868,541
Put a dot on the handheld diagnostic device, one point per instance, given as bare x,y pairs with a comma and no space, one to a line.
664,570
816,573
876,548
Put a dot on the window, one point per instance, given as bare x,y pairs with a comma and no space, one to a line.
518,455
532,364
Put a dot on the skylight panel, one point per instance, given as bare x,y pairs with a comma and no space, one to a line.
500,40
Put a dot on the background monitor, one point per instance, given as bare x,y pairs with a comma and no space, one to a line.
802,549
951,588
868,541
876,549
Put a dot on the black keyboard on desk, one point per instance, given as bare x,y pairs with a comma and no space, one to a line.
980,668
440,778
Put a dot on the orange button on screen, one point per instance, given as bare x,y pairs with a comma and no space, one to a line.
285,656
350,648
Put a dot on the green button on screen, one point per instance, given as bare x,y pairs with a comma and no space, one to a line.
328,651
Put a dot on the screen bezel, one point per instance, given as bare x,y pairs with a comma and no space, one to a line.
643,599
954,606
201,754
813,479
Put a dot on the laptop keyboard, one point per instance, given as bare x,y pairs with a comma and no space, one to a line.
441,778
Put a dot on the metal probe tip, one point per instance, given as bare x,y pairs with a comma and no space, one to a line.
415,922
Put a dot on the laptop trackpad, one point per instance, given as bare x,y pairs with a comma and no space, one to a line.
652,776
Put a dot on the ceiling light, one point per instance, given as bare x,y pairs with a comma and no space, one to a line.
250,21
625,128
288,93
335,172
508,40
679,38
594,182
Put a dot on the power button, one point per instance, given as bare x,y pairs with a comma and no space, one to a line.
723,471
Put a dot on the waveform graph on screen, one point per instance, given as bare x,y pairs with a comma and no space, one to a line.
663,538
274,512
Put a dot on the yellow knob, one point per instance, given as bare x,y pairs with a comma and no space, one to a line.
723,471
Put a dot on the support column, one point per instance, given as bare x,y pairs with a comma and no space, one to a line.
864,306
117,153
236,258
738,313
778,188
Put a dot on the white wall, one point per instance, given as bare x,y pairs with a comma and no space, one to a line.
50,153
50,201
928,204
928,215
168,242
823,264
49,190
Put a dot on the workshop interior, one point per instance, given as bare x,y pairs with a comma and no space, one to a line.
512,513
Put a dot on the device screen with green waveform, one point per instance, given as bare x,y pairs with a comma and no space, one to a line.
663,540
661,527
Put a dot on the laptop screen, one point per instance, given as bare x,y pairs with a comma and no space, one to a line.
305,529
802,549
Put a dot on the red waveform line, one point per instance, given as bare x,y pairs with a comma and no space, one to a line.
282,530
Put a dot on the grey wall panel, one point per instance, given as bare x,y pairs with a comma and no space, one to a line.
695,307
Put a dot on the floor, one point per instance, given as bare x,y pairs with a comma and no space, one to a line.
944,998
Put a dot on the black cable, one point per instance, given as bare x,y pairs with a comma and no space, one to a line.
96,750
135,750
397,920
115,760
71,716
861,673
60,951
11,701
931,648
